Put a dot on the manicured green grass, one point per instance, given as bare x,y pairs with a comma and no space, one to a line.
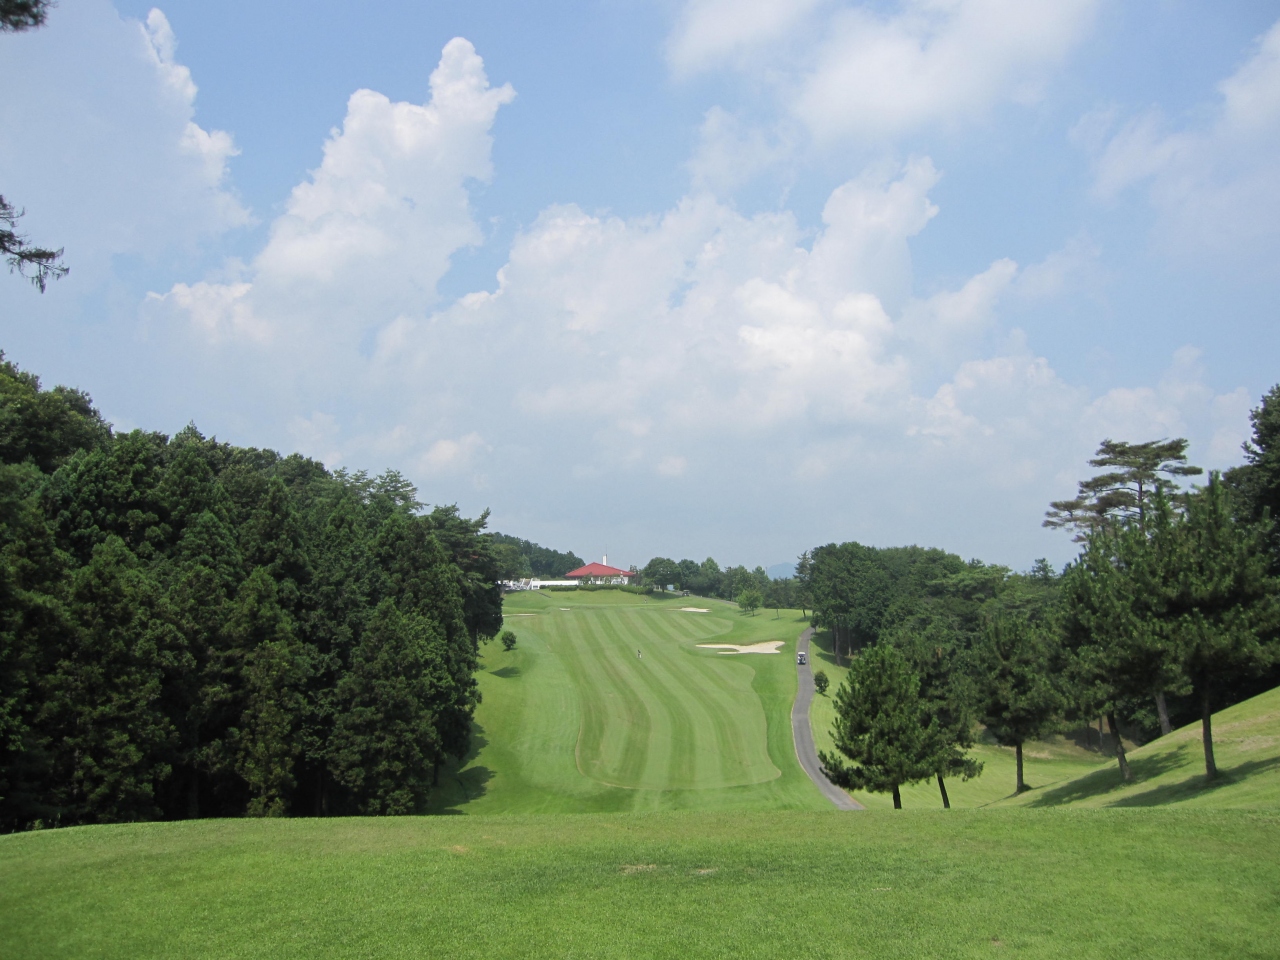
572,720
1170,770
1024,883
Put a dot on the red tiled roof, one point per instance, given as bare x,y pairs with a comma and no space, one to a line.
596,570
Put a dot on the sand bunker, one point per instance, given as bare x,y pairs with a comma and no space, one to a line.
694,610
769,646
519,614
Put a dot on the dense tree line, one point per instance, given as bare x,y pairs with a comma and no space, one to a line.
189,628
521,559
708,579
1171,612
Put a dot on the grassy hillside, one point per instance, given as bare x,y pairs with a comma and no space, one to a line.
1170,770
1061,771
572,720
1047,763
1024,883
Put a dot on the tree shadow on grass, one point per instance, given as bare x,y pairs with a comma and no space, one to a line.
506,672
460,783
1101,782
1193,786
820,646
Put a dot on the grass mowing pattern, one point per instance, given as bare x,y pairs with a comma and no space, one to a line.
572,720
1063,883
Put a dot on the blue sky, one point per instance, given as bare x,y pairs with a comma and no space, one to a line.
680,278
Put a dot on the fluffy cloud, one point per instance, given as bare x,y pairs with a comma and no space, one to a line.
371,231
100,142
1215,184
850,70
748,366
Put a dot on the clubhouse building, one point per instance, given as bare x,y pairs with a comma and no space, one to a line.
600,573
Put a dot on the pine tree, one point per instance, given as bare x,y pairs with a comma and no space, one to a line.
1122,494
1222,604
1015,667
882,727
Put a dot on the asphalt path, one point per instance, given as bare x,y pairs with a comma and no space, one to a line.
802,733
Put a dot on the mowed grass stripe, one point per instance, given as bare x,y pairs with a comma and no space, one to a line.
698,759
692,626
614,739
670,748
734,722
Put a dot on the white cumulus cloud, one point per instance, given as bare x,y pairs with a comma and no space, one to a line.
876,71
100,142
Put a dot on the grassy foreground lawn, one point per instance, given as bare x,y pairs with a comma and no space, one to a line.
1026,883
573,721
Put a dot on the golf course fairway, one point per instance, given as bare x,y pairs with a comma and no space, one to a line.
609,702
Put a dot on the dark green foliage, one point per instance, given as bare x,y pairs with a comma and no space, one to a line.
44,426
1136,472
882,726
1016,665
508,639
385,744
820,682
521,558
1222,607
750,600
193,629
18,15
1257,483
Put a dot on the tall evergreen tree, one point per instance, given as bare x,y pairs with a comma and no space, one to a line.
1222,604
1135,472
882,727
1015,668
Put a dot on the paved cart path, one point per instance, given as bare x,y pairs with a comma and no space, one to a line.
802,733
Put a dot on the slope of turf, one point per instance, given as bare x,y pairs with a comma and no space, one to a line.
1025,883
574,720
1046,763
1170,770
1059,771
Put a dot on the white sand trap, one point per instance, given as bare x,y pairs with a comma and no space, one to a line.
519,614
694,610
769,646
566,609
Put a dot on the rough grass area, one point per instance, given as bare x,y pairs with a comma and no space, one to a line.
1170,770
572,720
994,883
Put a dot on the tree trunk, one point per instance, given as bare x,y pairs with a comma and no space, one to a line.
193,797
942,787
1162,709
1021,783
1125,772
435,774
1206,729
897,798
